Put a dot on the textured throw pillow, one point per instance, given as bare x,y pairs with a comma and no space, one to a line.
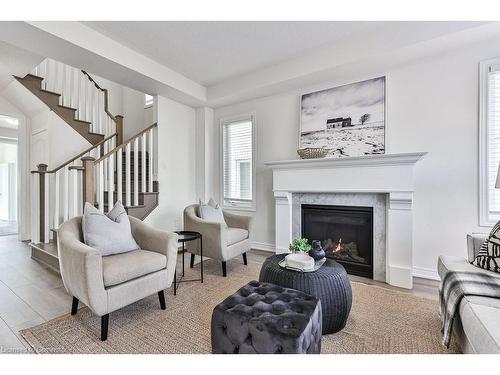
211,211
110,234
488,256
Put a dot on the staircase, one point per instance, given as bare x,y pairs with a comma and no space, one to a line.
109,170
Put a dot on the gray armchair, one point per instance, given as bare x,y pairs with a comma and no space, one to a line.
108,283
219,242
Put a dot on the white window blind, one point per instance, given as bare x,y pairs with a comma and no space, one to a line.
237,163
493,136
148,100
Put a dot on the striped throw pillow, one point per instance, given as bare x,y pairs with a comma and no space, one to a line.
488,256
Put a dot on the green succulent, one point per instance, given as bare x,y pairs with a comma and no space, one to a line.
300,245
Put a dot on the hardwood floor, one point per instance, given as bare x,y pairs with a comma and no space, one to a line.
31,293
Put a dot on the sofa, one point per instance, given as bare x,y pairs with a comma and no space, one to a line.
477,325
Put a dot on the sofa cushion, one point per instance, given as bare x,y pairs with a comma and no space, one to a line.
488,256
447,263
235,235
211,212
109,233
120,268
481,323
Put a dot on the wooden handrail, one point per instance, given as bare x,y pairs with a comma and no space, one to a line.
105,91
117,148
77,156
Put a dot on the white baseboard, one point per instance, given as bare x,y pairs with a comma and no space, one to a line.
264,246
425,273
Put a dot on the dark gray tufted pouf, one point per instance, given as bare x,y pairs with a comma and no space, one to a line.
266,318
330,284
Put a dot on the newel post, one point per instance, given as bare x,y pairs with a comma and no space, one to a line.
42,170
119,129
88,179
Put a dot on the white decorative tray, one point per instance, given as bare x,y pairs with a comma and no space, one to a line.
316,267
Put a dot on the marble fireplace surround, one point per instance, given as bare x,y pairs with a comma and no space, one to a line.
378,178
377,201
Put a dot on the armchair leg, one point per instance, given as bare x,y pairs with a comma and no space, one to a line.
104,327
191,265
224,272
74,306
161,297
245,259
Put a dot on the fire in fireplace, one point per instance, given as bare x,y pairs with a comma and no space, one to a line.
345,232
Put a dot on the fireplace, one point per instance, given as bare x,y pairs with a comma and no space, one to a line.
345,232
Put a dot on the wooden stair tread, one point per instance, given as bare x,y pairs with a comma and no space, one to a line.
34,76
50,92
47,248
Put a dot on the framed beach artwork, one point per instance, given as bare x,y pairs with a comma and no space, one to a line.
347,120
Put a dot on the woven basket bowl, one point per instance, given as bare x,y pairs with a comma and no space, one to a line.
312,153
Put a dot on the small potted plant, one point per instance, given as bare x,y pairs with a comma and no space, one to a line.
300,245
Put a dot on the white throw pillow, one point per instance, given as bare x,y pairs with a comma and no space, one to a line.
111,233
211,211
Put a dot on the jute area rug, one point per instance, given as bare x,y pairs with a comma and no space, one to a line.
381,321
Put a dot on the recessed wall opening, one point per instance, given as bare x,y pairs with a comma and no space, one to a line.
8,175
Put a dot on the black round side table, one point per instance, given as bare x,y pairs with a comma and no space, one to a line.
186,236
329,283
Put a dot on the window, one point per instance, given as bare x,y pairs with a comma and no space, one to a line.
148,100
238,176
489,129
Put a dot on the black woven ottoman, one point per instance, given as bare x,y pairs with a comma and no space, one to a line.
267,319
330,284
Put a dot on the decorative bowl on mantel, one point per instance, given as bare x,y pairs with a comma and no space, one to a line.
312,152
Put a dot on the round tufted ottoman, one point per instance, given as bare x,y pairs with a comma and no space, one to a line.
330,284
267,319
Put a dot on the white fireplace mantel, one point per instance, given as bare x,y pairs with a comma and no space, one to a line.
390,174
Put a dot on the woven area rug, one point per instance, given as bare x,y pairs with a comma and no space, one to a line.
381,321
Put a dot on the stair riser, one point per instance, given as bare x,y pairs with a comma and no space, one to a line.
44,258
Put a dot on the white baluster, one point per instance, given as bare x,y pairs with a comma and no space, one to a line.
111,172
119,176
81,99
127,175
65,176
151,158
43,73
88,101
101,187
75,203
35,208
56,200
105,148
143,166
46,210
136,172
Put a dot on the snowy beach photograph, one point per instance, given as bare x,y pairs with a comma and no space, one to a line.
348,120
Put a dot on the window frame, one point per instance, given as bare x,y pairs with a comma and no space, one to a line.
485,218
228,120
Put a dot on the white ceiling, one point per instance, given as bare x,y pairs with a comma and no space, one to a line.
211,52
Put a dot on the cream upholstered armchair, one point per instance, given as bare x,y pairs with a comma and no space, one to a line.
219,242
108,283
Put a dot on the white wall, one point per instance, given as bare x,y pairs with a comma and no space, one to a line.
129,103
432,106
176,163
